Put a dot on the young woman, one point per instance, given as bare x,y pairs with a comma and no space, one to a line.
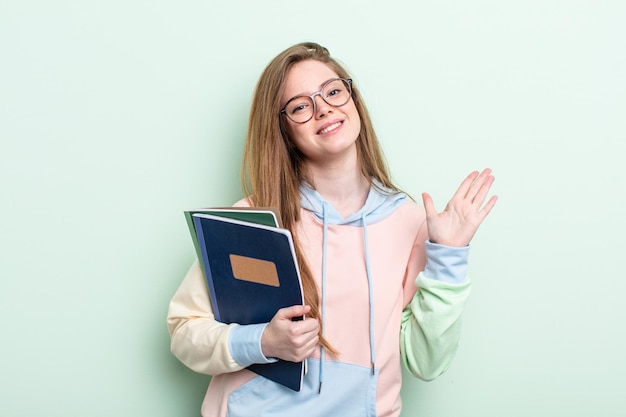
384,279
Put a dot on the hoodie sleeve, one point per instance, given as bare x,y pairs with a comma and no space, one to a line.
197,339
431,322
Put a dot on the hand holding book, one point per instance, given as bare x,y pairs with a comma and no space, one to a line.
288,338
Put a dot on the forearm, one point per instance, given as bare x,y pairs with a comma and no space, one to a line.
431,322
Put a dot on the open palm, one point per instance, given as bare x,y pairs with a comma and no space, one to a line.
458,222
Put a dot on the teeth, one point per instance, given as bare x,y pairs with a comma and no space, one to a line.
329,128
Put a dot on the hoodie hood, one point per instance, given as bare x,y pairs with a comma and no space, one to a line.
381,202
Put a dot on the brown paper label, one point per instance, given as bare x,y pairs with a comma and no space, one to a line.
254,270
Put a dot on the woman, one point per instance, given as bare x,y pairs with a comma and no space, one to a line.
384,279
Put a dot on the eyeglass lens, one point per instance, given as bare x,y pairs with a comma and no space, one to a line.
336,93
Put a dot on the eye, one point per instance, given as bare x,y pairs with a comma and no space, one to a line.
298,109
335,90
298,105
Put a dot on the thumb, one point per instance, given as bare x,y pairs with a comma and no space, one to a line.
293,311
429,206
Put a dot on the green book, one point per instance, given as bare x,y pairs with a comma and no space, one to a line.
266,216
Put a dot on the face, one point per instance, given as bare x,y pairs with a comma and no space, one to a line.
332,131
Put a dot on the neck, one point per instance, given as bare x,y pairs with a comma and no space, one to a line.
341,184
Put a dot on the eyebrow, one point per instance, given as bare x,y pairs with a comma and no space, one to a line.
319,87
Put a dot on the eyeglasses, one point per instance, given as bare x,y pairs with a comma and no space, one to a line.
336,92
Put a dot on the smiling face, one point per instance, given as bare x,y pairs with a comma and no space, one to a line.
332,131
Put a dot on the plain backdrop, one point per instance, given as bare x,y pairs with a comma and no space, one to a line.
115,116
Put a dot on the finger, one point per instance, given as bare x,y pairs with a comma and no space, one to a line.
308,327
461,192
429,206
305,350
477,184
309,337
310,346
479,198
485,210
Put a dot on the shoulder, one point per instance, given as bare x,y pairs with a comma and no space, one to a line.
411,211
405,216
412,207
244,202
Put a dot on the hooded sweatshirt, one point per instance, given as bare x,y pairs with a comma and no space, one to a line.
388,295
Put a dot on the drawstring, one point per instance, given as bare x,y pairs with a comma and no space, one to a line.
324,244
370,292
380,203
371,295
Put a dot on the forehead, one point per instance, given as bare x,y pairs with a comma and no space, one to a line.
306,77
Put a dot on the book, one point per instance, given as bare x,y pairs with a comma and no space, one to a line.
262,215
251,272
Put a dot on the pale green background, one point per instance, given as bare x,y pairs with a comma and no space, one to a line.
118,115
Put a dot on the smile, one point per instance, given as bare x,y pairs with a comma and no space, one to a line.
329,128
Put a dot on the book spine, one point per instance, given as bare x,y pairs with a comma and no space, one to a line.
207,268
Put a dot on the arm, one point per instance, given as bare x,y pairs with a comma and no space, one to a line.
210,347
431,322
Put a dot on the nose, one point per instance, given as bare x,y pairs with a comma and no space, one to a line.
320,106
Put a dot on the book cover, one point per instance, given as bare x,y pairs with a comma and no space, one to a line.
261,215
251,272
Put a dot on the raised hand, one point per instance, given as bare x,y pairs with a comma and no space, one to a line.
457,223
290,340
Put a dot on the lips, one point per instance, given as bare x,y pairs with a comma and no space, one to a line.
329,127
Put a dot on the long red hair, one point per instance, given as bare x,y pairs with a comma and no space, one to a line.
273,168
